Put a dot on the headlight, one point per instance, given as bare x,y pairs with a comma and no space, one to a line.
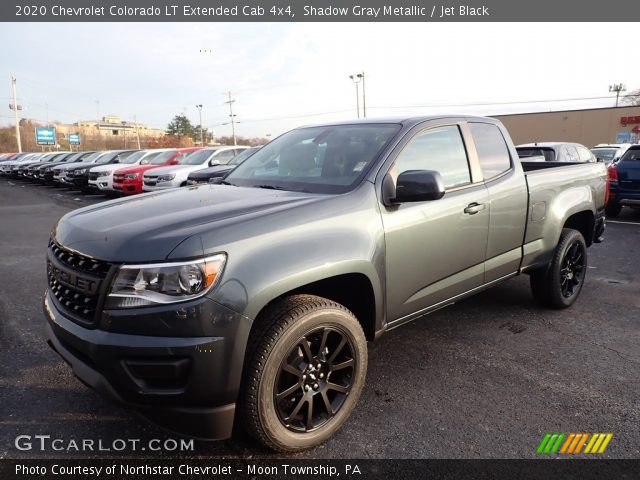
103,174
166,178
161,283
131,176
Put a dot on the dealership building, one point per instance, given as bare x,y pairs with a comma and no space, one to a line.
588,127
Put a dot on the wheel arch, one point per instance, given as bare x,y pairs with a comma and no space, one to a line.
584,222
353,290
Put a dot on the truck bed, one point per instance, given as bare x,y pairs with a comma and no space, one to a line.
550,185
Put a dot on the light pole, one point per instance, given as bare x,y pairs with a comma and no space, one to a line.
356,80
124,133
15,107
199,107
232,116
364,96
617,87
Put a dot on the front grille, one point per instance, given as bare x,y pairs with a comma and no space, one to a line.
150,182
118,178
93,175
75,282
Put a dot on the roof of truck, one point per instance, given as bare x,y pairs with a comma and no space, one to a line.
402,120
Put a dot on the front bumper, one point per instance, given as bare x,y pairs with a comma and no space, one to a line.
128,188
185,384
79,181
160,186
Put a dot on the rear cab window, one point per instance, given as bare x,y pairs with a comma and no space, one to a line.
493,153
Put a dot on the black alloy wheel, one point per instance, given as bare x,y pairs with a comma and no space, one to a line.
305,368
572,270
314,380
559,284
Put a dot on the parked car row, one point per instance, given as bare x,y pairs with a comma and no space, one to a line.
607,153
126,172
624,181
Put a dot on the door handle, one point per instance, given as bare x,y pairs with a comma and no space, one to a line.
474,208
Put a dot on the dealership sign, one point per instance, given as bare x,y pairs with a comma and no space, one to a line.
46,136
74,139
628,120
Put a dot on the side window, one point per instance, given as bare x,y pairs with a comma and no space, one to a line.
571,154
584,154
440,149
493,153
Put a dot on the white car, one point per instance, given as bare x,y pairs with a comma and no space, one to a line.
177,175
7,167
101,177
609,153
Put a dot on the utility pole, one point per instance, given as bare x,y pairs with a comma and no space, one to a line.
617,88
356,79
135,121
199,107
233,124
15,112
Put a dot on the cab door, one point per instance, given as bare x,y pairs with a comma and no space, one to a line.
435,249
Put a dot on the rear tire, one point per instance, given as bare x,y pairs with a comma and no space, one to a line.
305,370
613,209
559,285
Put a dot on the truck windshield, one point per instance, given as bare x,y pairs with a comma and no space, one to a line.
150,156
606,154
163,157
198,157
327,159
91,158
133,157
242,156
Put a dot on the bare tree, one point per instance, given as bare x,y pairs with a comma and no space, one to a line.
632,98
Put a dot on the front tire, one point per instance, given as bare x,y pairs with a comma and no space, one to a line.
305,370
559,285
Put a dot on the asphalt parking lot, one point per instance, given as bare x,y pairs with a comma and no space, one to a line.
485,378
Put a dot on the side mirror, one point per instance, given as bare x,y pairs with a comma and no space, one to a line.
214,163
413,186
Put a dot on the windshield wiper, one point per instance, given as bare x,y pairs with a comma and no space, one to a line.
270,187
224,182
273,187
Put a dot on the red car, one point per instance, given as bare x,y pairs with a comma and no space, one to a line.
128,181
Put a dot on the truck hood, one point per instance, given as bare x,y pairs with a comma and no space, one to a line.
148,227
174,169
206,172
136,168
68,166
110,167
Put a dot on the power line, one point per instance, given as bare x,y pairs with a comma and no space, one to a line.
434,105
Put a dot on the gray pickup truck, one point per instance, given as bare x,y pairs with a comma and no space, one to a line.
253,300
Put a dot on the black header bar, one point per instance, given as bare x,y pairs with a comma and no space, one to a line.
321,11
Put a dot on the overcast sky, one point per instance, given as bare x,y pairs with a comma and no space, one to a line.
286,75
